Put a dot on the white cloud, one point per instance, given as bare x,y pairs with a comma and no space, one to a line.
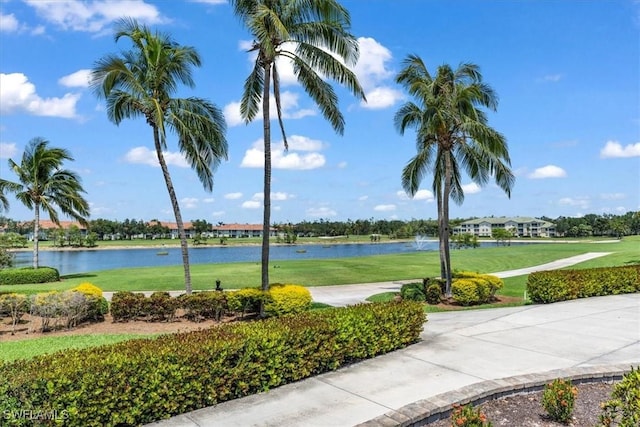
342,165
251,204
581,202
232,196
363,198
549,171
189,202
613,196
18,94
420,195
78,79
8,23
7,150
280,196
94,16
254,157
384,208
551,78
613,149
471,188
217,214
144,156
288,103
381,97
277,196
302,143
373,74
372,62
208,200
321,212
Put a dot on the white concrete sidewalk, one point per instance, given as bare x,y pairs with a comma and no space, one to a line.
459,351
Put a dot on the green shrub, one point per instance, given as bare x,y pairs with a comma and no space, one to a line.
246,300
558,399
469,291
562,285
468,416
141,381
623,409
160,306
19,276
98,305
433,294
287,299
127,306
493,283
204,305
413,292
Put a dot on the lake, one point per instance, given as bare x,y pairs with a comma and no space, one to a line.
82,261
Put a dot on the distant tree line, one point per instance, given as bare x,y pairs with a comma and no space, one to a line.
598,225
606,225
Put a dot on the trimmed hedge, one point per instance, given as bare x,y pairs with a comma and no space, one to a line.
25,275
144,380
413,292
287,299
561,285
470,288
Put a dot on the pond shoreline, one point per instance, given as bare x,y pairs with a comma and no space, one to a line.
329,241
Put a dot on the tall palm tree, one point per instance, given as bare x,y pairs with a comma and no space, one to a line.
43,184
140,83
452,136
315,37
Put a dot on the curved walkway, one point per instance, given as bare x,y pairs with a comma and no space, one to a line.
342,295
459,352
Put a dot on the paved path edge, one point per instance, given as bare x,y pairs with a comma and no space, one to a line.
439,407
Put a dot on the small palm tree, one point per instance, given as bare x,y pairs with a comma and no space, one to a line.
140,83
43,184
314,36
452,135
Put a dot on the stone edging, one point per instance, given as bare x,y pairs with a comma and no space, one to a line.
438,407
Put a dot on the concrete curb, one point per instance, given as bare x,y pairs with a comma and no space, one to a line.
438,407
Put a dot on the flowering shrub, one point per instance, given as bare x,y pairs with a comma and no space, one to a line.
468,416
287,299
558,400
88,289
624,406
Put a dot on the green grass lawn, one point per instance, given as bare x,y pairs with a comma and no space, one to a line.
404,266
25,349
411,265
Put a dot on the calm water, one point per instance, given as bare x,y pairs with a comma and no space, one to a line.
71,262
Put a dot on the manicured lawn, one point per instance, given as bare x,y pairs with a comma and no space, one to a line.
319,272
379,268
25,349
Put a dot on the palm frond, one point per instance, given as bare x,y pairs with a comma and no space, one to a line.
276,95
252,93
201,129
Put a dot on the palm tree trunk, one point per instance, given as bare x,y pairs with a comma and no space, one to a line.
36,232
266,220
445,222
176,211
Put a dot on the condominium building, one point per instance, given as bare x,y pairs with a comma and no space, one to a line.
519,226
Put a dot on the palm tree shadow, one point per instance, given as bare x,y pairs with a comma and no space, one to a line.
78,276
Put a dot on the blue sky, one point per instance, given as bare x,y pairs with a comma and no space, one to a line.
567,74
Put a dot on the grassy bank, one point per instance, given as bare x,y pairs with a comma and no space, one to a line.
411,265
